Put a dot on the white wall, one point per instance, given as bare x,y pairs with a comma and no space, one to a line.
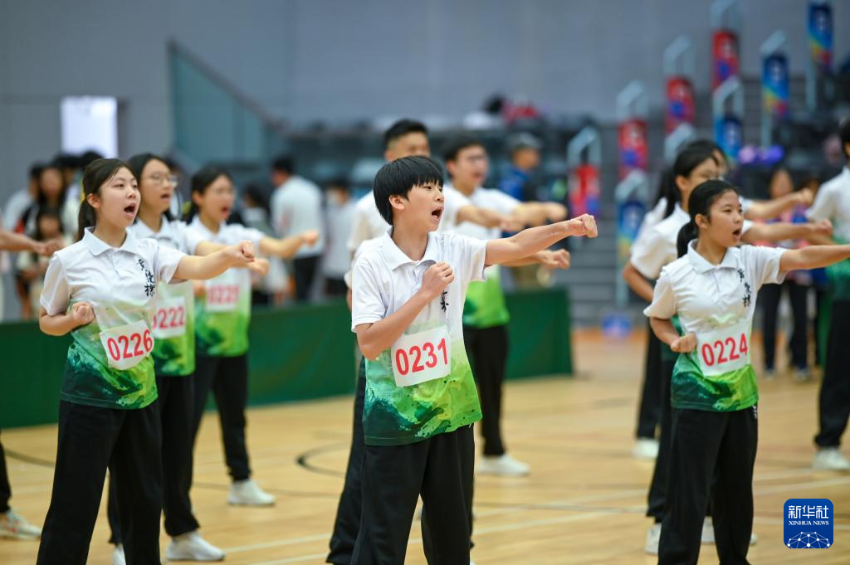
332,59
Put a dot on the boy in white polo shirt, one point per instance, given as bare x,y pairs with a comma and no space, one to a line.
408,295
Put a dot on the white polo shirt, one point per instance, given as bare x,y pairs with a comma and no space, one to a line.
296,207
120,283
833,203
369,224
396,412
223,313
657,245
173,324
717,303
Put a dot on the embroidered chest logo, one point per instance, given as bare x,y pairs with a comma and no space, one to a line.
150,283
443,304
748,290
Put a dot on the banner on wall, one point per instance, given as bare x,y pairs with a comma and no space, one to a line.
585,193
729,134
774,84
820,35
681,107
725,60
634,153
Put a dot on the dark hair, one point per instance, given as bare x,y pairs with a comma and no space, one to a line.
47,212
402,128
258,193
56,166
341,183
201,182
95,176
700,202
137,164
67,161
283,164
455,145
844,134
398,177
688,159
88,158
35,171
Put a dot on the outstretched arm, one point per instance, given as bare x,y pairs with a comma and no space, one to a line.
813,257
287,247
193,267
532,240
769,209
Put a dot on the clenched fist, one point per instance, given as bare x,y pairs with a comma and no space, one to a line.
436,279
82,313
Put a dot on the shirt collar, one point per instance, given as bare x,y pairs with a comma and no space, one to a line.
701,265
97,246
205,231
146,231
395,257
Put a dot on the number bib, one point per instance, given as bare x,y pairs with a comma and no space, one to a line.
126,346
422,357
169,318
222,292
724,350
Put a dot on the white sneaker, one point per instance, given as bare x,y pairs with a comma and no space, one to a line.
830,459
118,555
14,526
708,533
249,493
653,536
645,448
802,375
504,465
192,547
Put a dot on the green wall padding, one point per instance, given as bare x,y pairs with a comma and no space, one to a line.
299,353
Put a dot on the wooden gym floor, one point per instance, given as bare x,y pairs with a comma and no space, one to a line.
582,504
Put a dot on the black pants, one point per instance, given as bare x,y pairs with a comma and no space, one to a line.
335,287
227,377
769,297
835,388
347,524
487,350
176,403
91,439
706,446
649,412
305,271
5,487
440,469
658,486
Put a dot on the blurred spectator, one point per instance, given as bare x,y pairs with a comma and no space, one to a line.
296,207
255,214
519,182
51,191
339,216
31,266
74,194
796,284
22,199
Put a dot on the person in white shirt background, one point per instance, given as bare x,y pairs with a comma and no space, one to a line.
296,207
833,203
712,288
485,314
339,215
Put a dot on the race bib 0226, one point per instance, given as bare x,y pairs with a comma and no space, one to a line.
126,346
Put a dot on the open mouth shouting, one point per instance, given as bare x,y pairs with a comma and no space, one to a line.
131,209
437,214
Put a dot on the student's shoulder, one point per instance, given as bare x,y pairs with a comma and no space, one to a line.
678,269
72,254
365,202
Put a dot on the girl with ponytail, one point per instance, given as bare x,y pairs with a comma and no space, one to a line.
101,290
711,290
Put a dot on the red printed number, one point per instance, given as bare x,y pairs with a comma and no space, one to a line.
226,294
716,352
169,318
403,357
127,347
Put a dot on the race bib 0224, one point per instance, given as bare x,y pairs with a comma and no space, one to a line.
724,350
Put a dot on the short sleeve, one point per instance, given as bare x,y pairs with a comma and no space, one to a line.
648,254
501,202
663,299
453,201
367,304
191,239
762,264
359,229
56,294
471,258
241,233
166,260
823,208
746,204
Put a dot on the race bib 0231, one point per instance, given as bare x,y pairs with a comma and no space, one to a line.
421,357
